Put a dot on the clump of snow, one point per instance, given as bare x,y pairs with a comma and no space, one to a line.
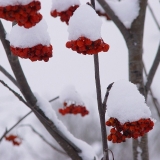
126,10
15,2
70,96
63,5
85,22
87,151
22,37
126,103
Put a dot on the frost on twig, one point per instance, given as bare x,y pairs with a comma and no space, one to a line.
86,151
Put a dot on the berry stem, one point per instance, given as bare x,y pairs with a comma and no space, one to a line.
99,101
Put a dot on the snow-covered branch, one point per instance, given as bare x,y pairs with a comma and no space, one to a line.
70,148
85,151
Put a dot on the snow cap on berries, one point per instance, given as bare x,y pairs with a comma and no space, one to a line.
70,96
63,5
4,3
85,22
23,38
125,103
128,14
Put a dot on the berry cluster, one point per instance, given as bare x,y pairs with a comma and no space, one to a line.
65,15
74,109
103,14
16,141
38,52
86,46
134,129
24,15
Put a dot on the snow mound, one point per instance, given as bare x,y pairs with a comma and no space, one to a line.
15,2
70,96
23,38
85,22
63,5
126,10
126,103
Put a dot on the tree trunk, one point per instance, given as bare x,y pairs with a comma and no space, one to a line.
135,47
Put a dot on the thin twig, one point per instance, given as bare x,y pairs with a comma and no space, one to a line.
155,101
53,99
8,75
106,96
22,100
99,99
15,93
104,158
36,132
154,17
67,144
153,70
7,131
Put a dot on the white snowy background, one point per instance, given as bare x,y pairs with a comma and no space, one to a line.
67,67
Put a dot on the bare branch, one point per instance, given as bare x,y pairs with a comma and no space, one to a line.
71,148
153,15
106,96
7,131
54,99
9,76
15,93
154,100
153,70
99,99
114,18
41,136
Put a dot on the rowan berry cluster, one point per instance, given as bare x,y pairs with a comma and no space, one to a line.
14,139
86,46
74,109
65,15
24,15
135,129
38,52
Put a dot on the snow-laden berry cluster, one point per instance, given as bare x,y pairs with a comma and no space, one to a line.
85,32
72,102
128,112
135,129
33,43
25,14
86,46
64,9
73,109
